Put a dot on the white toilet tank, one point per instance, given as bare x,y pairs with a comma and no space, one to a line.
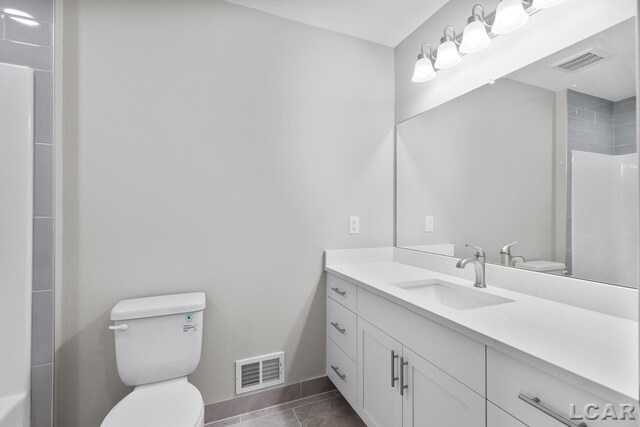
158,338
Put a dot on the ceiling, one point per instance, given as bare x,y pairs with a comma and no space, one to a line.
613,79
380,21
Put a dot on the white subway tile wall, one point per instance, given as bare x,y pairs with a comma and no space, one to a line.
32,46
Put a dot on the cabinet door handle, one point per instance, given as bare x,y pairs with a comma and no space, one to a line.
337,326
536,403
337,371
338,291
394,356
403,386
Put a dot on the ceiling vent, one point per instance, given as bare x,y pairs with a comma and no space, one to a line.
259,372
583,60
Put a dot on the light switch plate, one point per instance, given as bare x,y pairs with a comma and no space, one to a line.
354,225
428,224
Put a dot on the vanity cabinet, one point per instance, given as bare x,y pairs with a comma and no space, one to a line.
398,368
396,385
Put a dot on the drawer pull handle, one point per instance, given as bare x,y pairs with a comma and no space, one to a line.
337,326
394,356
536,403
403,386
343,377
338,291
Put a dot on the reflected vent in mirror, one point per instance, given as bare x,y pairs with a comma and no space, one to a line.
583,60
259,372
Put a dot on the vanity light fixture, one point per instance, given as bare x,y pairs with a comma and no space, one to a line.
448,55
544,4
474,36
423,70
510,16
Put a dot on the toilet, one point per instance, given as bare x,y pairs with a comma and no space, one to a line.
542,266
158,343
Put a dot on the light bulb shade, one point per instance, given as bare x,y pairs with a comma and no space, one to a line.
423,70
510,16
448,55
543,4
474,37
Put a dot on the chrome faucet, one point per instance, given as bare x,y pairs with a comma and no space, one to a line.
506,258
478,263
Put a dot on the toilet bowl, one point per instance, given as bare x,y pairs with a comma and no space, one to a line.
158,343
172,403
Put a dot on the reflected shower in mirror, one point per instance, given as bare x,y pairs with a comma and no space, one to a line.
539,168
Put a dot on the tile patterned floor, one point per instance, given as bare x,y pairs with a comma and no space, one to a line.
328,409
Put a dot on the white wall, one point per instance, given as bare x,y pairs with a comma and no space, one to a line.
482,166
546,32
212,147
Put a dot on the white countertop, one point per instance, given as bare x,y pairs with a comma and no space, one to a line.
598,347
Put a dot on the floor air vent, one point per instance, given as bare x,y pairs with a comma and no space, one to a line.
582,60
259,372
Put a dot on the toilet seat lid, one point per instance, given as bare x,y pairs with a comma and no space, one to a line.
174,403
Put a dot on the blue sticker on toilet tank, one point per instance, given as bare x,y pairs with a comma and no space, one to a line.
188,317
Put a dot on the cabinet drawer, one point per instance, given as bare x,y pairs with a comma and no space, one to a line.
513,385
343,372
342,328
496,417
459,356
342,291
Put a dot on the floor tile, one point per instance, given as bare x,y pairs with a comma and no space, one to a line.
281,419
285,406
316,386
224,423
334,412
251,402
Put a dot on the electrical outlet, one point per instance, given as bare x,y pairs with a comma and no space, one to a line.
354,225
428,224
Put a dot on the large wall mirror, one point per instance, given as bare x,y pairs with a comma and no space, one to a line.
545,157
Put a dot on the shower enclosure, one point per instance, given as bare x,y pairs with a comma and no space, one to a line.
16,248
605,234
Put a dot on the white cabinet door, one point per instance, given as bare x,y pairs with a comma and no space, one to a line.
496,417
435,399
379,400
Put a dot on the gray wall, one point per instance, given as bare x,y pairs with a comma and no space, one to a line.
482,165
212,147
33,46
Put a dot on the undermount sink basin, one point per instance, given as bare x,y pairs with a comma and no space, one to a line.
450,295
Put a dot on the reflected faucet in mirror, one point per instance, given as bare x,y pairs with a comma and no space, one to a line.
478,262
506,258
